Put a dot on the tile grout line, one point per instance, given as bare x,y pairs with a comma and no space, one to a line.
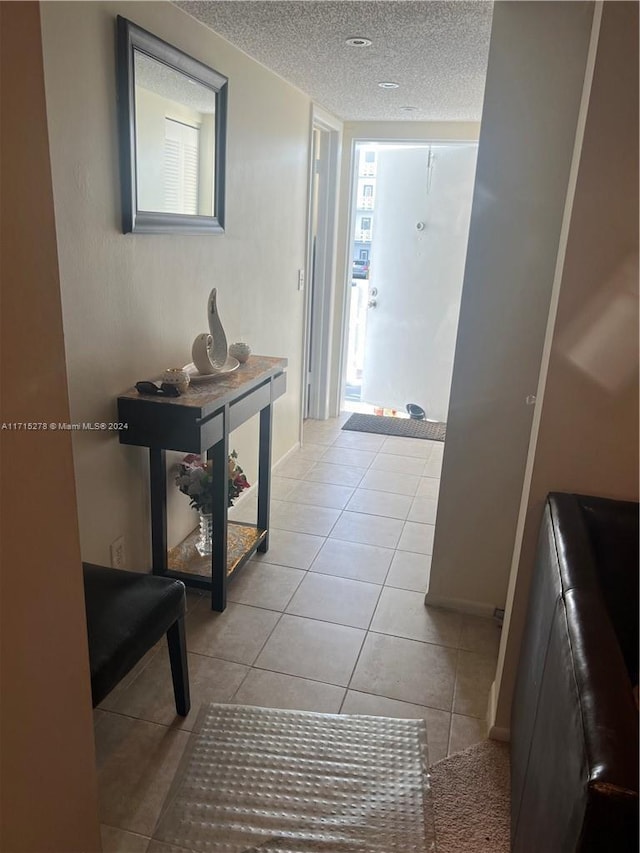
282,613
407,702
365,638
456,648
395,549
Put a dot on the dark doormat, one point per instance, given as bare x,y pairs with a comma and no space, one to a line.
406,427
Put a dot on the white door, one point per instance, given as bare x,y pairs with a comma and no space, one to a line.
420,230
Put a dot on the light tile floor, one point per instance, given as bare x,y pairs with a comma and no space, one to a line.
331,619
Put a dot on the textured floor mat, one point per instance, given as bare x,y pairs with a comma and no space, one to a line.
259,779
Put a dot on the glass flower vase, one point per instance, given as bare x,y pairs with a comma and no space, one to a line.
203,545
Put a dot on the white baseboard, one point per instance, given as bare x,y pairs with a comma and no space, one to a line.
461,605
495,732
499,733
289,453
253,490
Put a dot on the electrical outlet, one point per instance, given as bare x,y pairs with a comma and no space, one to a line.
118,554
300,279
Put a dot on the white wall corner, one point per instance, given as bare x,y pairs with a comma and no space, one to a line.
460,605
500,733
503,686
329,120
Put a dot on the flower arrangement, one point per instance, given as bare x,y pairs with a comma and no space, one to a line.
195,476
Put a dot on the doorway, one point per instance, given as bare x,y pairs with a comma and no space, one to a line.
411,207
324,164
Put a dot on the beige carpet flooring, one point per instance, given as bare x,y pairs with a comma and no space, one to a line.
470,799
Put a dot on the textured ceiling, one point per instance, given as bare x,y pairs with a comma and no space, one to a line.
437,52
171,84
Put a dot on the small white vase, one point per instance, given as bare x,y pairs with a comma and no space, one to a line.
240,350
178,377
204,545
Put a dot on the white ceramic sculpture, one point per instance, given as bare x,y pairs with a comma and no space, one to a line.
200,354
218,349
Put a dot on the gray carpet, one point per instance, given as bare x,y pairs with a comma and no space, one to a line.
405,427
470,794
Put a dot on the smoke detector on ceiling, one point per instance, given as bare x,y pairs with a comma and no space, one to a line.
358,41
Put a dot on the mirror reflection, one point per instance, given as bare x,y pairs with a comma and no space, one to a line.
172,118
175,140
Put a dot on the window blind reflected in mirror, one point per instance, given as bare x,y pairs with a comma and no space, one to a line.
175,137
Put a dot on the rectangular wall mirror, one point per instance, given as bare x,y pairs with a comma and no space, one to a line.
172,112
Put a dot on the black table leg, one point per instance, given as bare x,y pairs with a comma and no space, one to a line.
219,455
158,492
264,475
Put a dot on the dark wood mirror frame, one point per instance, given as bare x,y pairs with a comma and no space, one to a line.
131,38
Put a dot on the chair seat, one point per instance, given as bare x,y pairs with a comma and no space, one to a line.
127,613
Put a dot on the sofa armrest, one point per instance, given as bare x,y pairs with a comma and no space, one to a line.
544,594
597,541
574,720
609,719
575,552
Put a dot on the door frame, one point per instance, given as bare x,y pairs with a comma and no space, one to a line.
346,280
319,292
338,397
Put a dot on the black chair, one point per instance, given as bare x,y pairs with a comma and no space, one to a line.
127,613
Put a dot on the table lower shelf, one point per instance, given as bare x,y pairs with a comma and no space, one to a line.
185,562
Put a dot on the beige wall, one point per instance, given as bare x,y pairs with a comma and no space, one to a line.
48,779
534,84
372,130
133,304
587,436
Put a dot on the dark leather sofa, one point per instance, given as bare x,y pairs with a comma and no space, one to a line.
574,722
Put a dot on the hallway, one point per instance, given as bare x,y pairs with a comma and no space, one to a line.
331,619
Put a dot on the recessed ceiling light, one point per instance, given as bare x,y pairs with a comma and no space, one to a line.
409,109
387,84
358,41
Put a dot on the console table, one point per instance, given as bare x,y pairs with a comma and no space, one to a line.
200,421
